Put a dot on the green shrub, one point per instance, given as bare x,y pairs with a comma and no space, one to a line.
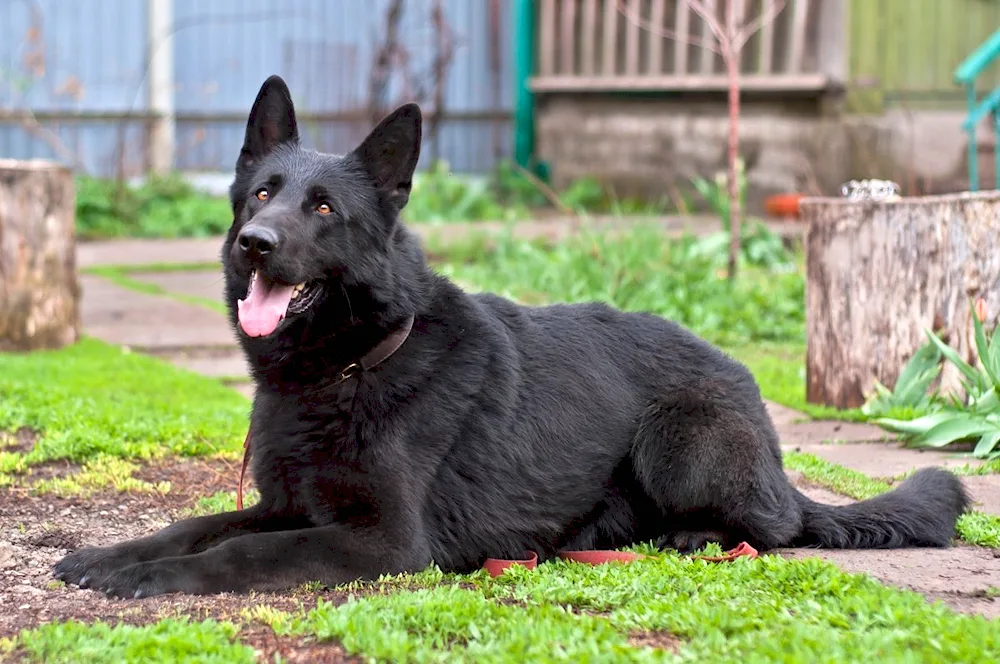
161,207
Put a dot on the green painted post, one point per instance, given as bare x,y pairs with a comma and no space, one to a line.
996,147
524,101
973,150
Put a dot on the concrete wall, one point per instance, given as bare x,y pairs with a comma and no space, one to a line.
651,146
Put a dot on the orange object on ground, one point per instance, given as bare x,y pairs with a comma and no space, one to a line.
783,205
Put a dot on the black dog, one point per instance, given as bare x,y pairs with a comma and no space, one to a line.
399,421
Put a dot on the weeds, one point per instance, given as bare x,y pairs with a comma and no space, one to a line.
642,270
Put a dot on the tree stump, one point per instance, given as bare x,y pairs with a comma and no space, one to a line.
880,273
39,288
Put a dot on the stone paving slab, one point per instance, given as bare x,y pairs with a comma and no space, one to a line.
796,428
145,252
984,490
228,364
961,576
209,284
147,322
882,460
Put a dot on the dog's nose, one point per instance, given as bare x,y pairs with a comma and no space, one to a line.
257,240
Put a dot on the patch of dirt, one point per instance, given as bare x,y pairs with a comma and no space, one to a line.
192,479
37,531
659,640
22,440
270,646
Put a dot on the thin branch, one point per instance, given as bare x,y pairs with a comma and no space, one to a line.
751,28
378,83
663,33
28,121
30,124
712,21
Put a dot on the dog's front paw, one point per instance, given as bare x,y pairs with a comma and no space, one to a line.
145,580
89,567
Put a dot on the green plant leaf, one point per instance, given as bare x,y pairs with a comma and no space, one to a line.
926,358
975,377
983,347
986,444
987,402
961,426
917,426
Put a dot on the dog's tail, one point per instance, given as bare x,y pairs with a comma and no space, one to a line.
921,512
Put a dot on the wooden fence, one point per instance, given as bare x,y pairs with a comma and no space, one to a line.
903,53
663,45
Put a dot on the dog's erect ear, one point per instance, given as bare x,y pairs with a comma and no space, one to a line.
391,151
272,122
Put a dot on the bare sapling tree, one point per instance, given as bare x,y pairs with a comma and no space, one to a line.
728,37
426,87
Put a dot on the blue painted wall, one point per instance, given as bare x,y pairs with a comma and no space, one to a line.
88,58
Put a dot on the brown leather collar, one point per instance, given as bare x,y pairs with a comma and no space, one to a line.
380,353
376,356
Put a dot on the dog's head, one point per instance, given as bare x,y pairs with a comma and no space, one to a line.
311,229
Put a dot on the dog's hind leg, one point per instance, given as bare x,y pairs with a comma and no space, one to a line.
712,463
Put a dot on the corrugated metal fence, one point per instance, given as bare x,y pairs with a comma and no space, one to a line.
75,83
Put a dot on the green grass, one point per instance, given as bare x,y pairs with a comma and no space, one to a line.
221,501
763,610
974,527
93,399
769,609
780,371
167,641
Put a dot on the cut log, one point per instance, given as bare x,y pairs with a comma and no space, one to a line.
880,273
39,288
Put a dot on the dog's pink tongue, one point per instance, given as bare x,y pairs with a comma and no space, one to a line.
264,308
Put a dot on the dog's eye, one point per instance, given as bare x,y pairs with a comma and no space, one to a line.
262,194
324,209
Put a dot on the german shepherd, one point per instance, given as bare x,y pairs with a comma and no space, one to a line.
399,421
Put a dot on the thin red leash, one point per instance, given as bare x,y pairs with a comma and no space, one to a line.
243,471
497,566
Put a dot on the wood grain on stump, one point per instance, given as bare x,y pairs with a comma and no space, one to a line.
39,289
880,273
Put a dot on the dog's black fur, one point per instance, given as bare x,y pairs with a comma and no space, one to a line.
494,429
